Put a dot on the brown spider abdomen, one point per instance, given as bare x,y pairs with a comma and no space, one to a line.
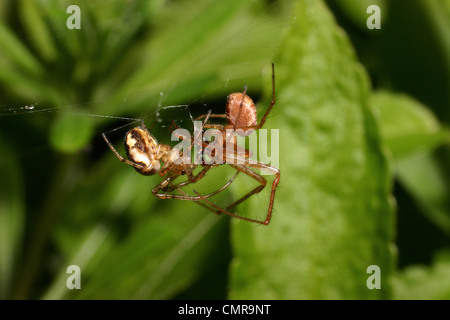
247,115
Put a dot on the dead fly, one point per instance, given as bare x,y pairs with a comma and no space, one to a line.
149,157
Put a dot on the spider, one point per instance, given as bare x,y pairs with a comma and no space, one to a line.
145,154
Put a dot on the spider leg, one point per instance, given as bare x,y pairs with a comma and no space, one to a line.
206,116
258,165
269,108
166,186
212,116
188,167
227,212
192,179
222,188
245,169
188,170
213,126
218,212
233,149
255,176
209,195
272,103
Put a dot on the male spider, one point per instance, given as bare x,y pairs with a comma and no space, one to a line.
145,154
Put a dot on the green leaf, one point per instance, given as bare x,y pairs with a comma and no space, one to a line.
332,216
424,179
410,131
71,132
406,125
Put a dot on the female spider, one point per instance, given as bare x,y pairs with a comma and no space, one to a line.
242,119
145,154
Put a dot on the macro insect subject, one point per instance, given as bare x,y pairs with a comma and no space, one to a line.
149,157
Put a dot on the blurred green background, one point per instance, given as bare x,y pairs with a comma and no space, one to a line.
363,117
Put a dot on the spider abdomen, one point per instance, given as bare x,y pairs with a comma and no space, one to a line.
246,117
141,148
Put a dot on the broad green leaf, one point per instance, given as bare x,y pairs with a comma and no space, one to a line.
332,217
406,125
12,216
423,282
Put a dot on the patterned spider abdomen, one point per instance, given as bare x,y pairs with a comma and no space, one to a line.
141,148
